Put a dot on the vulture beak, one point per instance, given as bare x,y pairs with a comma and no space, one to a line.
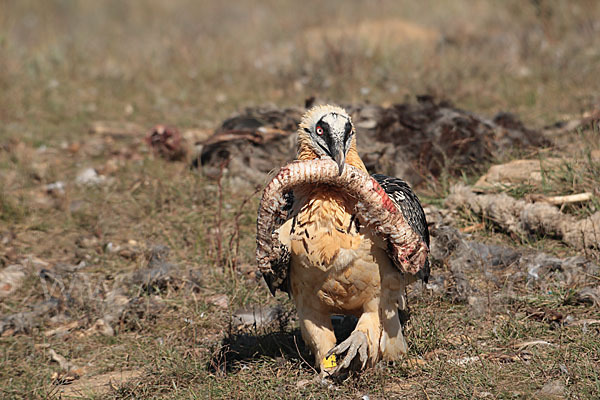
340,159
336,150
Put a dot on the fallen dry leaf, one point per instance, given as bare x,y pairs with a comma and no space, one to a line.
63,378
219,300
413,363
62,329
11,278
102,327
516,172
64,364
69,371
473,228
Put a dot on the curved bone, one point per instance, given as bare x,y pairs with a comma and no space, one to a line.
373,206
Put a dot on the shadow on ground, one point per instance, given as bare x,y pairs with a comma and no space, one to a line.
238,348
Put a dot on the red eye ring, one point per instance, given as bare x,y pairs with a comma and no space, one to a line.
319,130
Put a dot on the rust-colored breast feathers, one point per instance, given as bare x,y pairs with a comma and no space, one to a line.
322,227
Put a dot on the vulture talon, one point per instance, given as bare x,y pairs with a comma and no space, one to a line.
356,344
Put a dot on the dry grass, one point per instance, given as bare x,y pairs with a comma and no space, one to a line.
191,64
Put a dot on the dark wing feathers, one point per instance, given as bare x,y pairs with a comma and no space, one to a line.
278,278
407,201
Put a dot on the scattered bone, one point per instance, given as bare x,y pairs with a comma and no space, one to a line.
522,218
37,263
110,247
560,200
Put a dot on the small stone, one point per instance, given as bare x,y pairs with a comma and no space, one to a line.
111,248
55,188
89,177
221,98
102,327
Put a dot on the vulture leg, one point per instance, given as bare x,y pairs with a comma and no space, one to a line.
363,342
317,332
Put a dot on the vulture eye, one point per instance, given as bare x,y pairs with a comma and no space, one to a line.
319,130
